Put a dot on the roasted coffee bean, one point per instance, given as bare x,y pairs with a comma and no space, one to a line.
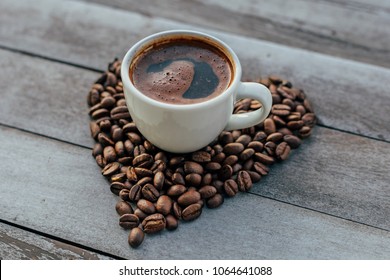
260,168
237,167
146,206
124,194
178,179
117,134
158,166
109,154
128,221
300,109
269,126
309,119
307,106
119,177
244,181
193,179
171,222
154,223
260,136
231,188
97,149
100,161
158,180
95,129
100,113
295,116
120,149
105,140
244,139
93,97
176,190
191,212
226,137
292,140
189,197
207,191
278,121
143,172
176,160
270,147
247,154
248,164
135,193
110,169
129,147
104,123
213,166
218,157
131,174
176,209
225,173
305,131
215,201
150,192
201,156
294,125
230,160
139,150
285,131
134,137
144,161
145,180
255,177
140,214
275,137
129,127
192,167
164,205
108,102
282,151
218,184
256,145
116,187
122,207
136,237
233,148
120,112
263,158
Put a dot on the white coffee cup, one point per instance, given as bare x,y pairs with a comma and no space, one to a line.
182,128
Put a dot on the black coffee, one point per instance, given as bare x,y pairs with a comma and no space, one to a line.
182,71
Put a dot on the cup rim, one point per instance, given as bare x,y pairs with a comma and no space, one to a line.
145,42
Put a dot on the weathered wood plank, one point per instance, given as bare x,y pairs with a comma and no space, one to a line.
59,191
324,26
18,244
71,30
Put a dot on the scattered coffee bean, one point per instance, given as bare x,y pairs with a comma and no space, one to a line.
122,207
128,221
136,237
153,223
191,212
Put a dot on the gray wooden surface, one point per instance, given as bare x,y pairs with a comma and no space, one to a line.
330,200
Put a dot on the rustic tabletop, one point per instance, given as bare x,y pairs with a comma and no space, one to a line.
329,200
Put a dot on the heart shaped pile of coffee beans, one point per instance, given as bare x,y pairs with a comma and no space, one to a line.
157,189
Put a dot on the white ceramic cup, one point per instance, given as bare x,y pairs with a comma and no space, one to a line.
182,128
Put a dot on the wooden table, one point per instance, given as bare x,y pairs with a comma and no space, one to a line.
329,200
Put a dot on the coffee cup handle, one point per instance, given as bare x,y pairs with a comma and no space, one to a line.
254,91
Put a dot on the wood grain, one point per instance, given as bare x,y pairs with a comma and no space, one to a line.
69,31
18,244
325,26
59,191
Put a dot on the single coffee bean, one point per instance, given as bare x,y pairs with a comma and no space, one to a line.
120,149
215,201
176,190
135,193
158,165
231,188
189,197
150,192
122,207
193,179
295,116
244,139
120,112
100,113
247,154
164,205
309,119
177,178
263,158
136,237
192,167
171,222
95,129
226,172
135,138
260,136
119,177
285,131
260,168
207,191
158,180
191,212
143,172
131,175
248,164
255,177
100,161
201,156
128,221
109,154
218,184
294,125
105,140
176,209
230,160
143,181
278,121
292,140
244,181
108,102
124,194
237,167
146,206
269,126
97,149
305,131
218,157
256,145
140,214
110,169
144,161
129,147
308,106
270,147
275,137
154,223
117,134
226,137
282,151
213,166
233,148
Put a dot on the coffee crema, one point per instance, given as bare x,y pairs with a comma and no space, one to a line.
181,71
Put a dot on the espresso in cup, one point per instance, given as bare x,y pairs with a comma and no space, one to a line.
181,71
